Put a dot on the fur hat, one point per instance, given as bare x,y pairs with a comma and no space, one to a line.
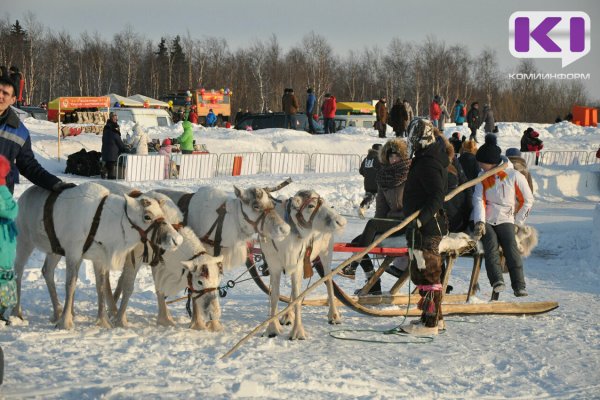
489,153
469,146
513,152
421,134
397,146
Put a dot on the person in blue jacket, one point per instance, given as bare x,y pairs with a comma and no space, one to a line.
459,113
211,118
15,145
311,100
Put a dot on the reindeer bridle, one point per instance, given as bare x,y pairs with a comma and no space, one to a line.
260,221
194,294
301,221
144,238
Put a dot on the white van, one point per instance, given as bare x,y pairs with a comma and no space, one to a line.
358,121
147,117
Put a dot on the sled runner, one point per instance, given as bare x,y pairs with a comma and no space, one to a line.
364,303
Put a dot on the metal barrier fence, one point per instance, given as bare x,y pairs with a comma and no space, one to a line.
529,158
131,167
195,166
327,163
564,158
239,164
285,163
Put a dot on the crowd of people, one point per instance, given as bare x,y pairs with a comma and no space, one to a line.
415,175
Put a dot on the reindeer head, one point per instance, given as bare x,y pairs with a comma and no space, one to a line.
206,271
257,209
147,217
312,212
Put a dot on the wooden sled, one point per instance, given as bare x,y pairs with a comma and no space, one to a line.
453,304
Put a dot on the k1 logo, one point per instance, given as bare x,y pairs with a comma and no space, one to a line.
549,34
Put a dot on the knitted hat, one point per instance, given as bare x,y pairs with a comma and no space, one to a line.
513,152
489,153
166,142
376,146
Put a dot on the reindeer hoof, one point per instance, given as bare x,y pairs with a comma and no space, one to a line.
198,326
298,334
165,322
121,323
64,325
214,326
103,323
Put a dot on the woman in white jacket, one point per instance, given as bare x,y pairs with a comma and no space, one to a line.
139,140
501,203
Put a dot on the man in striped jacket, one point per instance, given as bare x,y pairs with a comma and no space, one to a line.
501,203
15,144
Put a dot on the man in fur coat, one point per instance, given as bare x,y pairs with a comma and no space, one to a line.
425,187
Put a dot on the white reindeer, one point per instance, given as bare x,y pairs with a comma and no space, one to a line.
313,224
123,223
169,276
133,263
201,275
246,214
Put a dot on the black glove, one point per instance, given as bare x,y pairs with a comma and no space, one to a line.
60,186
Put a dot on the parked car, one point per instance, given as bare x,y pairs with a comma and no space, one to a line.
36,112
20,113
270,120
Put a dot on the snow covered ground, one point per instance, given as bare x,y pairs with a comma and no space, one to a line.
554,355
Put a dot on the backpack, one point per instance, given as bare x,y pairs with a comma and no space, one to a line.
84,163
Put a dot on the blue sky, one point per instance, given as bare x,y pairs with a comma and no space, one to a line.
348,24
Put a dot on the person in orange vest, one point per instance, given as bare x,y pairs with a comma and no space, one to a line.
497,218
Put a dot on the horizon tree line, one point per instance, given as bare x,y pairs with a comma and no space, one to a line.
58,64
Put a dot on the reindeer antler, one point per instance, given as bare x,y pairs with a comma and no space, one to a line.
278,187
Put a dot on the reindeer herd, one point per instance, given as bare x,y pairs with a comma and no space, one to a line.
188,239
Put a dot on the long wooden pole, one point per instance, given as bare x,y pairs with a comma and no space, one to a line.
360,255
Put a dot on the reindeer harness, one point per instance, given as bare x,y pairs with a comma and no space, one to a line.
217,226
58,249
51,232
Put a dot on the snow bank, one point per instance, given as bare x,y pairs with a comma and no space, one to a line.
559,183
